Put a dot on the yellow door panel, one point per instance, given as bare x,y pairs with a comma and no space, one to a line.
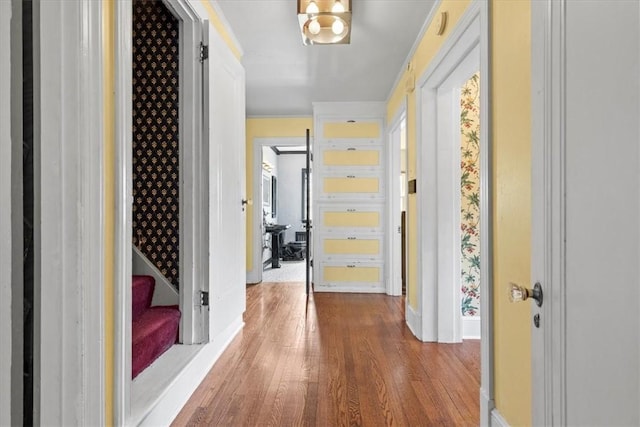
351,185
351,274
351,130
351,219
343,246
351,158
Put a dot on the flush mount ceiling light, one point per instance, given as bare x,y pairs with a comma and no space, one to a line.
325,21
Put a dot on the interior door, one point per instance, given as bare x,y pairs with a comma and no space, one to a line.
225,122
586,211
307,218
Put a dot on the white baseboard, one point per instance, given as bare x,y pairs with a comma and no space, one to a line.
167,406
254,277
471,327
350,289
487,405
497,420
414,321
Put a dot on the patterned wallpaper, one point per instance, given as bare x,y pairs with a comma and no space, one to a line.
470,189
155,135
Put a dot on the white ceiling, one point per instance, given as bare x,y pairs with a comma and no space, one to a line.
284,77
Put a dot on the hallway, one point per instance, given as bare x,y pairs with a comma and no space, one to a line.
352,361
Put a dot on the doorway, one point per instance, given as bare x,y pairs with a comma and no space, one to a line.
397,206
451,191
441,210
285,160
283,213
160,185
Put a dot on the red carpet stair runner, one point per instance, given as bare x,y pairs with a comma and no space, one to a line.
154,329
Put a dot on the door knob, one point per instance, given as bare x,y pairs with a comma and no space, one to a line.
519,293
247,202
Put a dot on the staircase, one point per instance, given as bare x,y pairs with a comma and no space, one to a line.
153,329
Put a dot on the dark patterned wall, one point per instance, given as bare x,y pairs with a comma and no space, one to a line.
155,135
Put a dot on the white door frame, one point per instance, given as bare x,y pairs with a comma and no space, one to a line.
255,275
193,174
394,249
439,177
472,31
547,230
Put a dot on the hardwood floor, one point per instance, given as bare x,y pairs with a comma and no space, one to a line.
350,360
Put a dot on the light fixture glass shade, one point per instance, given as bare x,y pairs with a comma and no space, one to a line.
324,21
337,27
314,27
338,7
312,8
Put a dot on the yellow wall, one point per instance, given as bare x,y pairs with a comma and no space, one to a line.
510,103
281,127
511,120
108,27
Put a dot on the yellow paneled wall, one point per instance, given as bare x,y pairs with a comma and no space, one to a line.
285,127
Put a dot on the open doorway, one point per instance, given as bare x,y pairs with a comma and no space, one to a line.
454,151
284,175
161,196
398,198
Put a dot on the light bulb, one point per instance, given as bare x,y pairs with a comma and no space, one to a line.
338,7
314,27
337,27
312,8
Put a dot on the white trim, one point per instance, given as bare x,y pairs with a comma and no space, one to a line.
123,213
487,391
414,320
7,399
497,420
92,217
68,169
471,327
393,274
193,171
255,274
548,80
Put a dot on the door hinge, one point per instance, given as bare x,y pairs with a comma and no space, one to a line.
204,52
204,298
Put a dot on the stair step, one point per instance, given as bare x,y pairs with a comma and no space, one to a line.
141,295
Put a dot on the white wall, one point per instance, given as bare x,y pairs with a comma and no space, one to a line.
269,156
290,192
5,216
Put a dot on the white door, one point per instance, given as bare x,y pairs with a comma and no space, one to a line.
586,212
227,192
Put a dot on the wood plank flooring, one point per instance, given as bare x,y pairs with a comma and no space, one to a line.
349,360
